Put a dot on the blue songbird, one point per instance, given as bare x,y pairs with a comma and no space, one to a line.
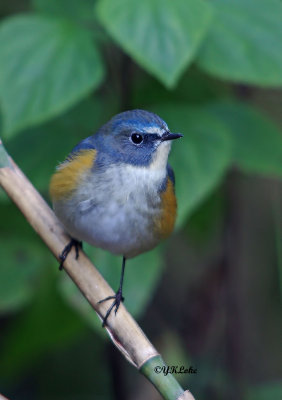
115,190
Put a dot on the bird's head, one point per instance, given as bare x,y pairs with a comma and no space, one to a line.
135,137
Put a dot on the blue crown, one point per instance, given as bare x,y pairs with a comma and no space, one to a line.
137,119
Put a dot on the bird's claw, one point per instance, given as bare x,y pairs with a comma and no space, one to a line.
118,298
73,243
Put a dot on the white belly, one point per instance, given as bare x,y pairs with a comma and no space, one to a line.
115,210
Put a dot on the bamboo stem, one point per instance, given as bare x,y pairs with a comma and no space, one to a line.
156,371
122,328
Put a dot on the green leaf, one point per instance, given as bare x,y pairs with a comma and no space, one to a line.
162,36
141,277
245,42
257,141
77,10
201,158
47,65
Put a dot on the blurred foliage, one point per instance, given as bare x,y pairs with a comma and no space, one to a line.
162,36
244,42
65,68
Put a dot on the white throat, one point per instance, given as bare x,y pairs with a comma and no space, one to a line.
160,157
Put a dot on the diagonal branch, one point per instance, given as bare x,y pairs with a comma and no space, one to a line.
122,328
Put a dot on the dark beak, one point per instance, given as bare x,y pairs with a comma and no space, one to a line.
170,136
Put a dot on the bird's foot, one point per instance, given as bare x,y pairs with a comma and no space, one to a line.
73,243
118,298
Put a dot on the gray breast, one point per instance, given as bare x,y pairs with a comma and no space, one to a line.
115,209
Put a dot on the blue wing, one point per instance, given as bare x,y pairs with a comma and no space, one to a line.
170,174
85,144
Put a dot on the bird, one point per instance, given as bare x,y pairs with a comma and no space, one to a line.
115,190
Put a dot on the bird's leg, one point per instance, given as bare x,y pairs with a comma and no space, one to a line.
118,297
67,249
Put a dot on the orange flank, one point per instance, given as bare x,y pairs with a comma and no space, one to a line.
66,178
164,224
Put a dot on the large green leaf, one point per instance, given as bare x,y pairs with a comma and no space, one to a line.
47,65
200,158
257,141
245,42
161,35
77,10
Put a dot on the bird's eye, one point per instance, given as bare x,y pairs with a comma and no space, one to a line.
136,138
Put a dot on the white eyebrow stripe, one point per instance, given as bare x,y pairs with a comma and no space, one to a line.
155,130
